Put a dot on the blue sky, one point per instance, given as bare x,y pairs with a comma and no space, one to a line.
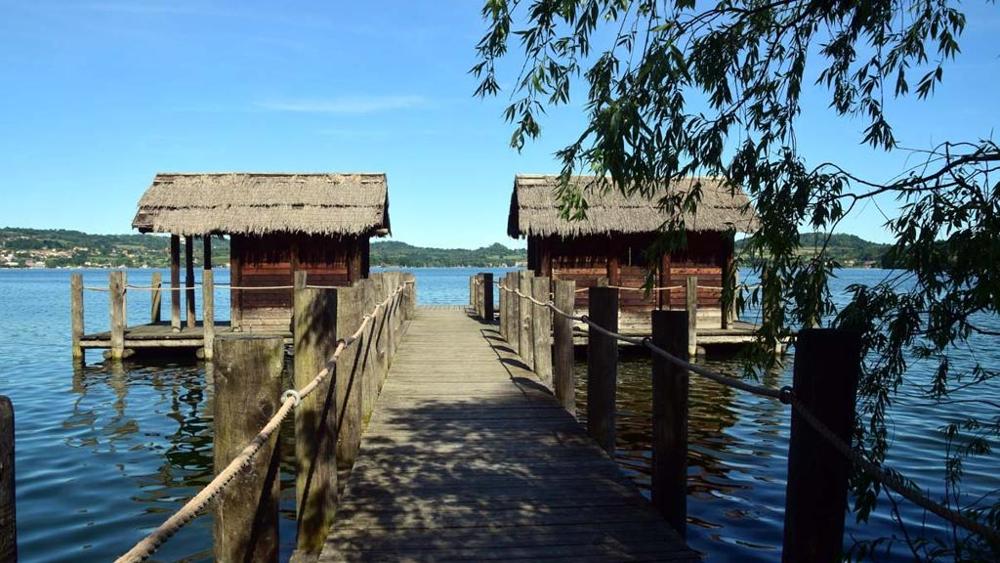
96,97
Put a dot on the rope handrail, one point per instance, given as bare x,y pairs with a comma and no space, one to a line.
289,400
786,395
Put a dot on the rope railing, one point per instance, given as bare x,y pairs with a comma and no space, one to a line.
289,400
786,395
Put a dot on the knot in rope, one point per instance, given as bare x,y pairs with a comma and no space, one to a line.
293,394
786,394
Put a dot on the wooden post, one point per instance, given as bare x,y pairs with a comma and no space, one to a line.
367,354
825,379
735,305
728,296
515,313
247,374
235,295
175,283
192,322
503,303
670,419
116,298
155,297
76,313
526,348
472,292
691,295
208,311
315,323
8,512
206,243
541,329
350,371
602,367
488,297
563,376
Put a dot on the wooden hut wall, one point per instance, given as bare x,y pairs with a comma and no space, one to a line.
621,258
270,260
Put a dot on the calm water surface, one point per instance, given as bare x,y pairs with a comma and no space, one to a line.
105,453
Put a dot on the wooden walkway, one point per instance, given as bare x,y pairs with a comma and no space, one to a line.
468,457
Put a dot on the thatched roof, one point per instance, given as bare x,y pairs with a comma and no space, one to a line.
534,209
242,203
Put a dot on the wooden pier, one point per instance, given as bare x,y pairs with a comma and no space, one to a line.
469,456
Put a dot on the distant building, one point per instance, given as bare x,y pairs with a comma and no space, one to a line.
611,242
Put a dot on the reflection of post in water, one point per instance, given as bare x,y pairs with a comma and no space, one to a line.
119,384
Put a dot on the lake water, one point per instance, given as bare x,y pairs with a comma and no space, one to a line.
105,453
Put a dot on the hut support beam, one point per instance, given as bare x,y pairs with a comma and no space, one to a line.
189,279
175,282
207,250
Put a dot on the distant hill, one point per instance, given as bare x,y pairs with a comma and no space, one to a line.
850,251
55,248
395,253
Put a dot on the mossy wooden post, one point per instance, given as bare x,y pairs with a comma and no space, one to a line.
350,376
488,297
370,372
691,297
8,511
76,313
175,283
602,366
526,348
502,301
155,297
314,320
208,311
541,329
412,289
515,313
563,376
670,419
116,299
247,383
825,379
192,321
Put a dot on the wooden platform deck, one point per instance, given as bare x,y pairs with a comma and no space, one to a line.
161,335
467,456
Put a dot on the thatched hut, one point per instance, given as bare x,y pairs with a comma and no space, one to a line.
277,224
611,242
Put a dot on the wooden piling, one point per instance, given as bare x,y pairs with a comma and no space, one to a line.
350,380
247,383
192,321
691,296
175,283
488,297
515,325
502,295
8,510
314,320
76,313
208,311
155,297
670,419
602,367
563,376
367,354
825,380
526,349
541,329
116,299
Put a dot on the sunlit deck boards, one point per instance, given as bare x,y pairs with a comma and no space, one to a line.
468,457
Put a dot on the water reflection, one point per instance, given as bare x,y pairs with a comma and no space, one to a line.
736,461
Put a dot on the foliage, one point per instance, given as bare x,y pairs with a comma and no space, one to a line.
394,253
57,248
685,88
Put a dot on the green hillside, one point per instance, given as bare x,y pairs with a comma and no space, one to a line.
54,248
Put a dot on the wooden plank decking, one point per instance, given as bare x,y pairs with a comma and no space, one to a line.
468,457
161,335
